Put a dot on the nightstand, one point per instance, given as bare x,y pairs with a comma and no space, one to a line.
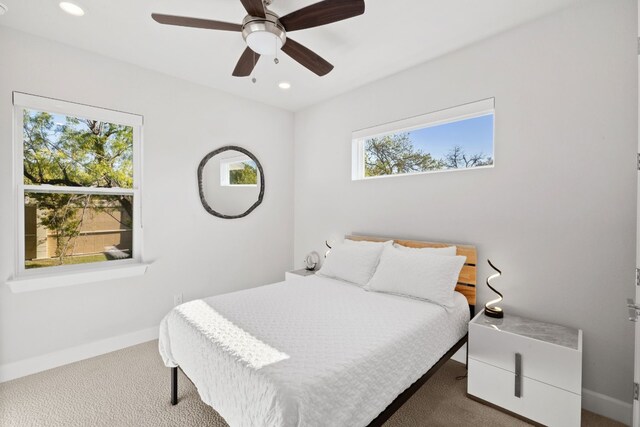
529,368
296,274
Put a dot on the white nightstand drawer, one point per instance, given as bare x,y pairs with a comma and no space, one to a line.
542,361
539,402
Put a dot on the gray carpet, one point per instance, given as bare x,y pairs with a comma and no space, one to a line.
130,387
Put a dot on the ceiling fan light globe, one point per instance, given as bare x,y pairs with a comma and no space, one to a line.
264,42
265,36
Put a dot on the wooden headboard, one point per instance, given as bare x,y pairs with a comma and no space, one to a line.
467,279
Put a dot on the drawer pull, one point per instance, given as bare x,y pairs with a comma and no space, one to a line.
518,372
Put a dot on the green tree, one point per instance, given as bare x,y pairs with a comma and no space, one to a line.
247,175
76,153
394,154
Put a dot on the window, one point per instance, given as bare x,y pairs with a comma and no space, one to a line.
78,184
452,139
238,171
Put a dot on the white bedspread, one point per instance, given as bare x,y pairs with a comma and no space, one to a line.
307,352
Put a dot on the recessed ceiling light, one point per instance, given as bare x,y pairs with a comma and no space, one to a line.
284,85
71,9
3,9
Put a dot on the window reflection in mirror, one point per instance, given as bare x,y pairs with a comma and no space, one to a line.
238,170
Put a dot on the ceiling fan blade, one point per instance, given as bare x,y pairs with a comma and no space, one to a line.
306,57
246,63
322,13
254,8
183,21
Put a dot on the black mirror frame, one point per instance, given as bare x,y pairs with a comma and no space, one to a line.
204,161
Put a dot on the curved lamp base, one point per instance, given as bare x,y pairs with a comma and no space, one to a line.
495,312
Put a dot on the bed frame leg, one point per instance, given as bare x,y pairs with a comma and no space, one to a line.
466,363
174,386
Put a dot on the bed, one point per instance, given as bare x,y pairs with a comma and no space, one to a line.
314,351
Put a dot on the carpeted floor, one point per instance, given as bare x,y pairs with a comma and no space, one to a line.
130,387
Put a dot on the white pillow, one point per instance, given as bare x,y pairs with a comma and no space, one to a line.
352,263
447,250
417,274
365,242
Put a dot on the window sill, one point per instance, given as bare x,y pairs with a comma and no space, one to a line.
39,281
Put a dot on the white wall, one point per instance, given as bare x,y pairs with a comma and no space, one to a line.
556,214
192,252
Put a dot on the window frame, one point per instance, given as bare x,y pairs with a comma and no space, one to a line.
22,275
458,113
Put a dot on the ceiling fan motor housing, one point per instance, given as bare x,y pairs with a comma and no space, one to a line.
264,36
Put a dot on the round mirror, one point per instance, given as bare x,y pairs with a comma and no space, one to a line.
231,182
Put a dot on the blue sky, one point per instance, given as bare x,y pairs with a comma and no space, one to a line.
473,135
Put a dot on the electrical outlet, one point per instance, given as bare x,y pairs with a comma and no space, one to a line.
177,299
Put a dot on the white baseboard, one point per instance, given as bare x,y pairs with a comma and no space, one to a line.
36,364
591,401
607,406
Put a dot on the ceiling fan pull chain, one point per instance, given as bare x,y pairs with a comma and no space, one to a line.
276,60
253,78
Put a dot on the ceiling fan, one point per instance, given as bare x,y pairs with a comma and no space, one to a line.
265,32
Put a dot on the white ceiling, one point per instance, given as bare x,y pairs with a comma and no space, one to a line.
390,36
